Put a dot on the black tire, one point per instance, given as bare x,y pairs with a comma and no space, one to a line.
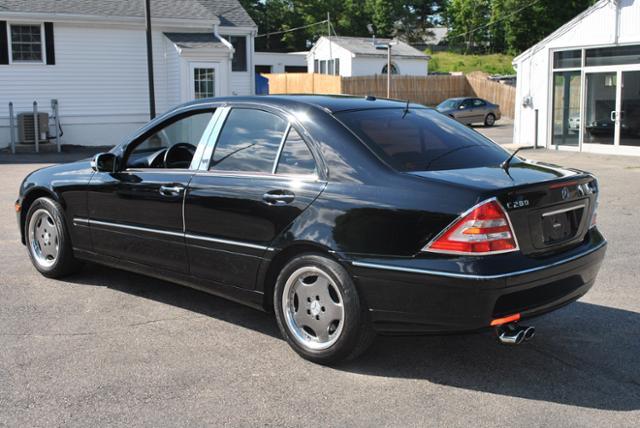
64,263
356,334
490,120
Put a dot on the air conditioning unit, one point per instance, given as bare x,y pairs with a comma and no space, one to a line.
26,131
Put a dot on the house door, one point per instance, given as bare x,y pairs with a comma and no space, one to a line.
204,80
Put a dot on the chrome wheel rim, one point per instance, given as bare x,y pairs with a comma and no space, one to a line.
313,308
490,120
44,238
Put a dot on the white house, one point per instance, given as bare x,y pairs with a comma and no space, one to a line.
91,56
280,62
583,83
359,56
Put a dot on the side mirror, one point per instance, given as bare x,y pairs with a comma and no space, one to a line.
104,162
462,107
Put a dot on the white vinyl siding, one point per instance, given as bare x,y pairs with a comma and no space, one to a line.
100,82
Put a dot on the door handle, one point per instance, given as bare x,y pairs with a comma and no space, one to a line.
278,197
614,115
170,190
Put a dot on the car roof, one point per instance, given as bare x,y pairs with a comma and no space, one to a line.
331,103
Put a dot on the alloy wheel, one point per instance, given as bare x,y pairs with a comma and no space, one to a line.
313,308
44,238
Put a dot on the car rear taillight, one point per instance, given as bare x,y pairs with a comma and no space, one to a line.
484,229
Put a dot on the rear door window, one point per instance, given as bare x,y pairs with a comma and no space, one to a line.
295,158
468,103
422,139
479,103
248,142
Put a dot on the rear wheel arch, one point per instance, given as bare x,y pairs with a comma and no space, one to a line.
281,259
29,198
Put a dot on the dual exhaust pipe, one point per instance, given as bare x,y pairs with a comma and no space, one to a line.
514,334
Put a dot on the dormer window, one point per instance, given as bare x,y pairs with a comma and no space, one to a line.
26,43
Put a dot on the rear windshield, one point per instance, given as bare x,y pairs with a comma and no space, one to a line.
422,139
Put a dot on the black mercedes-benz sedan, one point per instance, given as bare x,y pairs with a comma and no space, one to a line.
345,216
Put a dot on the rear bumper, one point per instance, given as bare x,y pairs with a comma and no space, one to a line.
417,295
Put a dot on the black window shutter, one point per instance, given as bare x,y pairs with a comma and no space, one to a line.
4,43
48,42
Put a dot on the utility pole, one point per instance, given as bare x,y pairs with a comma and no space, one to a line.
389,70
152,92
331,60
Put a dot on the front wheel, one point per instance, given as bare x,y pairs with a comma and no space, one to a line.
48,239
319,311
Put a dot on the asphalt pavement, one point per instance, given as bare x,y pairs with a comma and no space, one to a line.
107,347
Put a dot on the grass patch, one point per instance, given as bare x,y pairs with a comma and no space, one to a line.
491,63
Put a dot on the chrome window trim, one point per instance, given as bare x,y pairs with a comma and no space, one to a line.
159,171
239,174
563,210
213,138
89,222
477,277
280,147
196,162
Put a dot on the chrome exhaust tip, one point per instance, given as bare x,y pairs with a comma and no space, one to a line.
513,334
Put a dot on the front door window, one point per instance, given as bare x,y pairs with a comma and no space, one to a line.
204,82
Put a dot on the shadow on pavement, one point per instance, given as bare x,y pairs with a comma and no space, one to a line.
584,355
176,295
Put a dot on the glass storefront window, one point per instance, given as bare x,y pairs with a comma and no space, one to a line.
613,56
630,105
566,108
567,59
600,113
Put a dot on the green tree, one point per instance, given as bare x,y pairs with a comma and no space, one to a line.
533,23
497,39
467,21
418,17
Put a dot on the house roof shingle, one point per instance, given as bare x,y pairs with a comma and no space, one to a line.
195,40
364,46
230,12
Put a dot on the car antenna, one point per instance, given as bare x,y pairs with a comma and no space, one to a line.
505,165
406,109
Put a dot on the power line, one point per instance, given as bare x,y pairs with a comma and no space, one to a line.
473,30
291,29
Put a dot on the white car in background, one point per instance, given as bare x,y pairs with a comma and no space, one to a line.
574,123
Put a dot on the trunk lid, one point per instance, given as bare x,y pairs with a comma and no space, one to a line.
549,207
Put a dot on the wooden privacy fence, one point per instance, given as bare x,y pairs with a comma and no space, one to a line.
303,83
428,90
497,93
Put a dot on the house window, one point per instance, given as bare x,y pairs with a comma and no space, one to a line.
394,69
26,43
323,67
337,67
567,59
316,66
204,81
239,62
